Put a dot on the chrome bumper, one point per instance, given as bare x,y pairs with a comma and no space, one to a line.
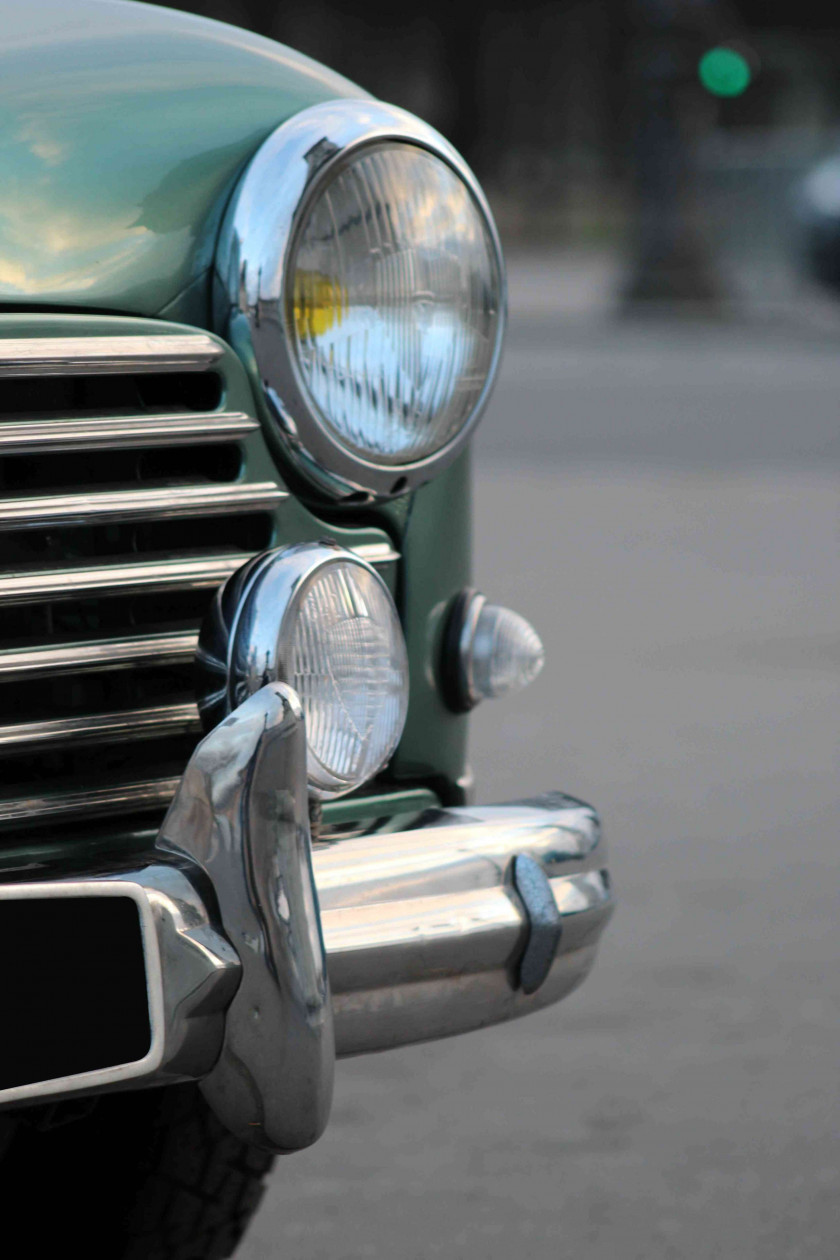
440,930
266,956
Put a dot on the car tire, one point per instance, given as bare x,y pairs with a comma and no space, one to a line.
150,1175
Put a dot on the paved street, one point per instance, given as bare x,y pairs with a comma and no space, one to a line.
661,499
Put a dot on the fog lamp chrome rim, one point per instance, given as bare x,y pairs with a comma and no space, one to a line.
252,261
250,637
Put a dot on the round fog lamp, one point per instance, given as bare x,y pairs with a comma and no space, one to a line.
322,620
490,652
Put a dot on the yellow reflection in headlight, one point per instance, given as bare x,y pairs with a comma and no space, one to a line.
320,302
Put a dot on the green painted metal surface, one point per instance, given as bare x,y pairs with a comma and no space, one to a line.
394,807
436,545
123,128
432,530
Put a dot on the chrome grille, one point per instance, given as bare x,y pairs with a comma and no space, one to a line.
122,507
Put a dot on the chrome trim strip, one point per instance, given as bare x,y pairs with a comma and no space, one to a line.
375,553
160,503
96,356
99,802
22,437
191,975
125,578
242,812
101,728
132,651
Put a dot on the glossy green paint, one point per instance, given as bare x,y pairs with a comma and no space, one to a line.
436,545
123,128
394,807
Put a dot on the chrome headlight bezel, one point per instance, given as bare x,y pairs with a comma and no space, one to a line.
257,237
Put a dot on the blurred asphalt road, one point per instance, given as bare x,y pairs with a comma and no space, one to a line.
662,500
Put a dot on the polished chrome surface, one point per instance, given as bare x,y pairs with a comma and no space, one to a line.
92,356
426,935
100,802
129,577
191,975
471,612
242,812
101,728
63,582
44,661
252,260
473,916
244,641
376,553
25,437
159,504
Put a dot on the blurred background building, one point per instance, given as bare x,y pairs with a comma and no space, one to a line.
589,124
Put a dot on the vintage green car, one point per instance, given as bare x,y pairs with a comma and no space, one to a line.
250,318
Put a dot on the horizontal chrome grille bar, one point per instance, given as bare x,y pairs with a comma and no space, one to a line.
127,578
93,803
160,503
96,356
137,650
101,728
23,437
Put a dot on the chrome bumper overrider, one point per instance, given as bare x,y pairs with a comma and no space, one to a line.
266,956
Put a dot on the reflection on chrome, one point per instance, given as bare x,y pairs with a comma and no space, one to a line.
241,811
320,618
265,957
427,934
376,358
393,304
191,974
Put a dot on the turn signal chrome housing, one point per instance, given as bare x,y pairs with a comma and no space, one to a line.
489,652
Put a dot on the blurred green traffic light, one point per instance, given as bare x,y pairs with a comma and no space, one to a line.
724,72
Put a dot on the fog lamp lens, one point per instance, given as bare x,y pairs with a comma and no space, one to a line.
498,652
345,656
321,619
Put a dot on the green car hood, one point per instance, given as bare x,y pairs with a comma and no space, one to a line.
123,128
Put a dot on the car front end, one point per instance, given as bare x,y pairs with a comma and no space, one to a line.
250,321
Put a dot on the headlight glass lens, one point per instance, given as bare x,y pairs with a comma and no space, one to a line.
393,303
345,656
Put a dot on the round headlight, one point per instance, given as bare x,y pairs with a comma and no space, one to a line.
392,303
363,255
321,619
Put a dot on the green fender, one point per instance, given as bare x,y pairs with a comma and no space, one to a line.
123,128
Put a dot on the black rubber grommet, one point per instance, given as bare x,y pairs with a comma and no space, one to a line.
450,673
